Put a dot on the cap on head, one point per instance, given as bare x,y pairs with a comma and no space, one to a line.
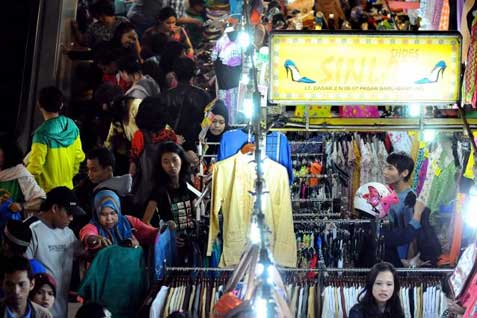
65,198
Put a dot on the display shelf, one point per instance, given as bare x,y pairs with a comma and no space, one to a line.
378,124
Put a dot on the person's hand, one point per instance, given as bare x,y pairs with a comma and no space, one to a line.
171,224
134,242
455,308
132,169
15,207
192,158
96,241
419,207
180,139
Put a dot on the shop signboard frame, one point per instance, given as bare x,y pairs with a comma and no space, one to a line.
365,68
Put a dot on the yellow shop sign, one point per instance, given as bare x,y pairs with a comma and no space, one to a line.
382,68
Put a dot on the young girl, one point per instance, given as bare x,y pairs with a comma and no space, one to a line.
381,295
44,292
172,199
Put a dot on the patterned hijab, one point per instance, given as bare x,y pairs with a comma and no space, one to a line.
122,230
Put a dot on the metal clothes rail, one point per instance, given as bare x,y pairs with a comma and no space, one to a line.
315,270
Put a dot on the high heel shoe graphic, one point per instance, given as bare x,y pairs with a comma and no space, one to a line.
433,77
295,74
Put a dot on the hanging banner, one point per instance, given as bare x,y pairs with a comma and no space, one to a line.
381,68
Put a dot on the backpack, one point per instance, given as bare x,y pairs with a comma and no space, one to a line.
143,181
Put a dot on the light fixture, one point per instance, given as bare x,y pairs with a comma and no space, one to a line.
255,237
248,107
259,269
244,39
260,307
245,79
429,135
469,215
414,110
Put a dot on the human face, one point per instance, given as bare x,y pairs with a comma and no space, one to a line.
218,125
171,163
392,175
108,218
96,172
169,25
17,286
44,296
128,39
383,287
63,218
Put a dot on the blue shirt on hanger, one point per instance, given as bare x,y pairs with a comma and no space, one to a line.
277,147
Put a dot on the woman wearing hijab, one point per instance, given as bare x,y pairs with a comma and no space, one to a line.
219,123
110,227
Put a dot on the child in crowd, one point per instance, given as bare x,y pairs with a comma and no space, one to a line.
44,292
397,171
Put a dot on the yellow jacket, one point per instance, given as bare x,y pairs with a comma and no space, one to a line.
232,180
56,153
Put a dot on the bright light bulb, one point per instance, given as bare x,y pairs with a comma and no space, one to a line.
259,269
470,217
248,107
429,135
245,79
255,237
260,307
244,39
414,110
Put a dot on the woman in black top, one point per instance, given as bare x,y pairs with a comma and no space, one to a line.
380,297
171,197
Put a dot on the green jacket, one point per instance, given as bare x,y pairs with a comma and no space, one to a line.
56,153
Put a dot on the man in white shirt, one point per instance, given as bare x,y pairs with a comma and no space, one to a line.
54,244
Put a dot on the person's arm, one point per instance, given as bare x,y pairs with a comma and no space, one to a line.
149,213
187,43
79,155
145,234
396,237
189,20
37,159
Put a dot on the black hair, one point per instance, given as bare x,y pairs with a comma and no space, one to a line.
105,53
151,116
91,310
402,161
192,3
51,99
104,156
107,93
102,8
130,65
20,231
17,263
184,69
119,109
366,298
184,173
158,42
12,155
123,27
166,13
172,51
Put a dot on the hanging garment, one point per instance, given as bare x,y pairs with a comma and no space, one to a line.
277,147
232,180
116,273
470,74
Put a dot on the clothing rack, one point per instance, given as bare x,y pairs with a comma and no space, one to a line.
304,215
315,270
338,221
